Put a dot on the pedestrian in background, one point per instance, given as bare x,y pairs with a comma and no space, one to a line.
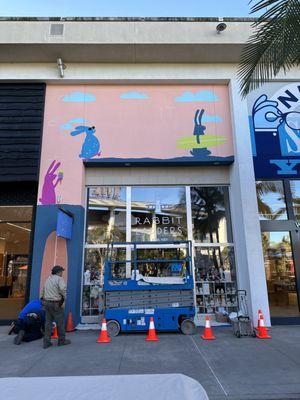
54,295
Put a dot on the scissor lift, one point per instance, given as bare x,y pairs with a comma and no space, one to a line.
131,296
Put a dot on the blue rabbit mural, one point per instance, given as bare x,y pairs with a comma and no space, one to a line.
91,145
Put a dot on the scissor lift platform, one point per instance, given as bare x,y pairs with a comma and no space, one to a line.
130,302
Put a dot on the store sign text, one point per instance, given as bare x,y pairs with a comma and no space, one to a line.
162,224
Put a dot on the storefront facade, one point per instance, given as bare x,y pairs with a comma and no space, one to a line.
275,127
146,143
138,163
137,125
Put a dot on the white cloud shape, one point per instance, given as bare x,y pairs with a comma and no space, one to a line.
69,125
79,97
134,96
211,118
202,95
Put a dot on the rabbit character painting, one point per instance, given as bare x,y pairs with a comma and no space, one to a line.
276,133
51,180
91,145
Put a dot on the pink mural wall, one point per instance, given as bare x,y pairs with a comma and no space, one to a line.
55,253
157,122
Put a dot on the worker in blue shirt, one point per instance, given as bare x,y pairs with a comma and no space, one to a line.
30,323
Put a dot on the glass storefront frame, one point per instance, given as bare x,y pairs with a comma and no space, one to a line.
292,226
195,244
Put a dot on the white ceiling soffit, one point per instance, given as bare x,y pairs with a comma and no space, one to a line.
132,41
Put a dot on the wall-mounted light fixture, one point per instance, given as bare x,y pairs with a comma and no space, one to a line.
61,67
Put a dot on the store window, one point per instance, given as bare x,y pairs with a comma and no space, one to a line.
93,281
211,214
280,274
295,190
149,261
106,217
158,213
15,230
215,279
271,200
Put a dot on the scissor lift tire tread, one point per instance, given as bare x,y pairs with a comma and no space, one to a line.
188,327
113,328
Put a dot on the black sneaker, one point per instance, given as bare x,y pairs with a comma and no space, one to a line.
47,345
18,339
64,342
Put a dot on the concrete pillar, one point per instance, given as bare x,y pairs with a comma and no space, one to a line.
244,211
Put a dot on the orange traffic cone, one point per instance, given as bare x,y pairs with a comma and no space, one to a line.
262,330
54,332
258,321
208,333
70,326
151,337
103,336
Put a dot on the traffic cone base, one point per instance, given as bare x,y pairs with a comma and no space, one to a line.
262,330
208,333
103,336
151,337
70,326
264,337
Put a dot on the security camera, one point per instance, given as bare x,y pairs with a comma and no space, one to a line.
221,27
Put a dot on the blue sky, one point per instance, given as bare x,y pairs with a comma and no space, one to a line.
125,8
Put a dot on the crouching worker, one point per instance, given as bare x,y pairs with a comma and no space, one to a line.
54,294
30,323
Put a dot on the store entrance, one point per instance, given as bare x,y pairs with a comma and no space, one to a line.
281,274
15,230
279,213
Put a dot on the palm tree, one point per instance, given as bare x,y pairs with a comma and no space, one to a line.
208,211
264,188
274,45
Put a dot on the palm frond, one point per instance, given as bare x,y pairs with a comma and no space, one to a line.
277,214
266,187
264,209
274,45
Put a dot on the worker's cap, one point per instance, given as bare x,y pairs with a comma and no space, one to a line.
57,269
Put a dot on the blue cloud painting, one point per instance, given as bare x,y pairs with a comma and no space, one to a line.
134,96
202,95
211,118
79,97
71,122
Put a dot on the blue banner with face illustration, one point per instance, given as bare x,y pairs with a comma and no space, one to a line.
274,118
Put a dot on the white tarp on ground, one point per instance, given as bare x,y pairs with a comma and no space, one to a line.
110,387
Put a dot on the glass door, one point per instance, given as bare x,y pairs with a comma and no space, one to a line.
15,230
280,274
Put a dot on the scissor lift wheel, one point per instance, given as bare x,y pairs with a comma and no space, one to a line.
188,327
113,328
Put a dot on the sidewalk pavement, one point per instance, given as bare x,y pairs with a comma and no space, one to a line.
228,368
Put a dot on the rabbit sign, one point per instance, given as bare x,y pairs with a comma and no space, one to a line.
91,145
51,180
